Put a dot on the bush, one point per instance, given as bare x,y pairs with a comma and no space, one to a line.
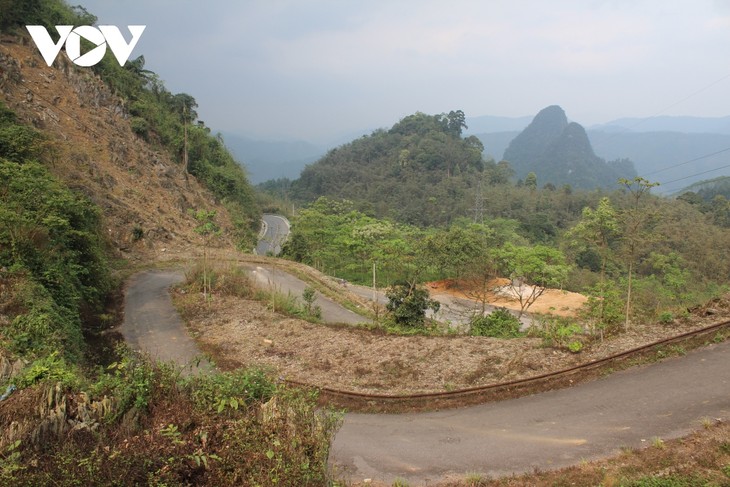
559,332
500,323
408,303
231,390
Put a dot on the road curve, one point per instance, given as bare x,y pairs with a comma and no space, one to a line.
275,233
544,431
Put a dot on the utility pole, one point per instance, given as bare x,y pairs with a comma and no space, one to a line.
479,203
185,144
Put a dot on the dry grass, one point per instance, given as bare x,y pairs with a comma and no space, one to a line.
241,332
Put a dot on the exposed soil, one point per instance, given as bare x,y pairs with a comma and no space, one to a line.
242,332
498,293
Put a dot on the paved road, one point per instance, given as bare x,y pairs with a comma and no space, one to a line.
274,232
544,431
152,325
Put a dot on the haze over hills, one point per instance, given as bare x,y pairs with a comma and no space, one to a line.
559,152
652,144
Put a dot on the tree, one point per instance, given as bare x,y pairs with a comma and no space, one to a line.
598,228
208,228
455,122
532,270
408,302
636,222
531,180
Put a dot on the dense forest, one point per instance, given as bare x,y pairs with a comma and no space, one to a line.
420,172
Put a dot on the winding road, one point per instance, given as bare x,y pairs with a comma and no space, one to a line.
274,231
544,431
549,430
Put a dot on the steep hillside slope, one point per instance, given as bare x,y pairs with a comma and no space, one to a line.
560,153
144,194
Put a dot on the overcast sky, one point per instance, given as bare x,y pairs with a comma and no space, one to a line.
319,69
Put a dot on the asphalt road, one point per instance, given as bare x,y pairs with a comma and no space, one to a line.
544,431
152,325
275,231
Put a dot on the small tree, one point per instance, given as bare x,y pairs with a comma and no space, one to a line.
209,229
408,302
598,228
532,270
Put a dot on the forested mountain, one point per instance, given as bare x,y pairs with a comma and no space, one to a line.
559,153
421,171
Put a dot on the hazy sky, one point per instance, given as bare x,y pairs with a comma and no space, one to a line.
320,69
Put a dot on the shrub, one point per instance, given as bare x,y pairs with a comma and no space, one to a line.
408,303
498,324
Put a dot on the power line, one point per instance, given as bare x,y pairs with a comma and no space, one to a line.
687,162
696,174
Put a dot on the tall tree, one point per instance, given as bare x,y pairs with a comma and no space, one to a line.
636,222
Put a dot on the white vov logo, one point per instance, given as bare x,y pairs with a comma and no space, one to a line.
102,36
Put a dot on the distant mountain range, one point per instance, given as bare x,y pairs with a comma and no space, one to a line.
266,160
654,144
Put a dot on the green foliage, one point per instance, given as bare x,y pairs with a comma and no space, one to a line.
229,390
130,380
19,13
604,309
559,332
334,237
52,368
11,462
51,244
532,270
407,304
420,172
311,309
500,323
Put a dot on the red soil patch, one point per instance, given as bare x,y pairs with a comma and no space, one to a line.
553,301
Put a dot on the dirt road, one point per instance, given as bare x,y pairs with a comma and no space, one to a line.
545,431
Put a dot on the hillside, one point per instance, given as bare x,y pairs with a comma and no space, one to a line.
421,171
560,153
143,192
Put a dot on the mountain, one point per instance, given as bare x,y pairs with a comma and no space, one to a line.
106,149
265,160
560,153
421,171
671,158
694,125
